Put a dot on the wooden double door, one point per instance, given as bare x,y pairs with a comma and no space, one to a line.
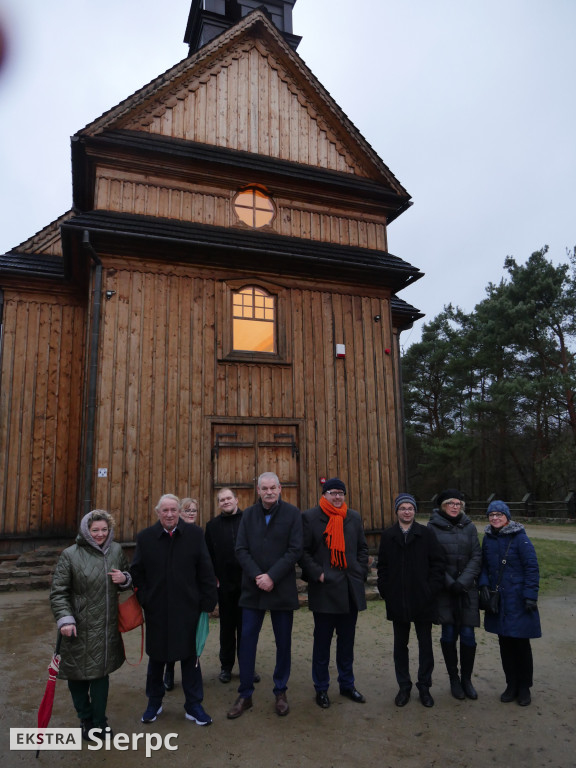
242,452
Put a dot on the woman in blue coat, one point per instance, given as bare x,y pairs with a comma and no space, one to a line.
509,564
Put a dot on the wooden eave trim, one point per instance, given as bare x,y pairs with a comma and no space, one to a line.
404,315
166,239
193,161
245,276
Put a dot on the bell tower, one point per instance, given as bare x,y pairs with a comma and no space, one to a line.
209,18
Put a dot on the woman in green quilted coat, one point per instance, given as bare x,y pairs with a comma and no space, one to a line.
84,599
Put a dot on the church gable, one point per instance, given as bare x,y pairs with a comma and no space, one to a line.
248,91
249,102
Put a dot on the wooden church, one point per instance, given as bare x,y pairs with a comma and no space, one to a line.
219,302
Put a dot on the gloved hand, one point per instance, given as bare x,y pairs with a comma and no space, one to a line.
530,605
485,594
456,588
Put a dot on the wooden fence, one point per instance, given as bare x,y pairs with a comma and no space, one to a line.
528,507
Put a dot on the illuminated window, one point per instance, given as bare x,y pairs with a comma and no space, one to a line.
254,320
254,207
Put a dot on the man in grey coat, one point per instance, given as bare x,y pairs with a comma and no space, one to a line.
268,546
335,565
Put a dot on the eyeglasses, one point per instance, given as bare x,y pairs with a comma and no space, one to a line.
453,503
336,493
495,514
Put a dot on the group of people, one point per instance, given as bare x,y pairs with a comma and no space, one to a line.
435,573
246,563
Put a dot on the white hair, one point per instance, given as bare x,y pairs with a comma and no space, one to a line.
167,496
271,475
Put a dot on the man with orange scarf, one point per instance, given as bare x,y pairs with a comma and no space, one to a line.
335,565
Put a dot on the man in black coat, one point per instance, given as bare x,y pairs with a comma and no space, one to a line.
411,567
268,546
221,535
174,578
335,565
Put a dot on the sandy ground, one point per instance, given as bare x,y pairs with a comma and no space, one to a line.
456,734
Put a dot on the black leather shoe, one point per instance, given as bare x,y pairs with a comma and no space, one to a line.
256,678
402,697
322,699
524,697
225,676
509,694
426,698
353,695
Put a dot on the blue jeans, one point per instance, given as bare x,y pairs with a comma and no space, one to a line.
252,619
450,634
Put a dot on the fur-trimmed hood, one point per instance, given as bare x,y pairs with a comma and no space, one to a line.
508,530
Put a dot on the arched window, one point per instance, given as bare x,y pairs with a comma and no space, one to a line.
253,320
254,207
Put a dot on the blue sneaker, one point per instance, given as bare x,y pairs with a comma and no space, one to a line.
199,716
152,712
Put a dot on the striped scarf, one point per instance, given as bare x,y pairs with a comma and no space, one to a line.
334,533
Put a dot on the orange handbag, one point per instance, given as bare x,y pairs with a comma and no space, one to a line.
130,616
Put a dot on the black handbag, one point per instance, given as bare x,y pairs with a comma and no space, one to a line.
492,604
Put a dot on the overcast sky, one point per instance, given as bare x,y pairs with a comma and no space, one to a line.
470,104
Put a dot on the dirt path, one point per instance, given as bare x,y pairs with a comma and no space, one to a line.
456,734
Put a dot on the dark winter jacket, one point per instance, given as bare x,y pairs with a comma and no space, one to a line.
459,540
175,582
83,594
273,549
221,535
342,589
410,573
520,580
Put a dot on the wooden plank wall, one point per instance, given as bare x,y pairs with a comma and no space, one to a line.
127,192
161,385
40,414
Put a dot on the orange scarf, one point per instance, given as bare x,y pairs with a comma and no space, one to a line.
334,532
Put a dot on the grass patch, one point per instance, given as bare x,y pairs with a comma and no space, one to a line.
557,563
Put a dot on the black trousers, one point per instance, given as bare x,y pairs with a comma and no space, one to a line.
425,653
517,663
230,627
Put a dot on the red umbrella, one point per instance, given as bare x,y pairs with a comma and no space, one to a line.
45,709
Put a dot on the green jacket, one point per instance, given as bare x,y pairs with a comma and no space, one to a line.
83,594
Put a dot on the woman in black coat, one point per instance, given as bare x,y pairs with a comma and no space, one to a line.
458,601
